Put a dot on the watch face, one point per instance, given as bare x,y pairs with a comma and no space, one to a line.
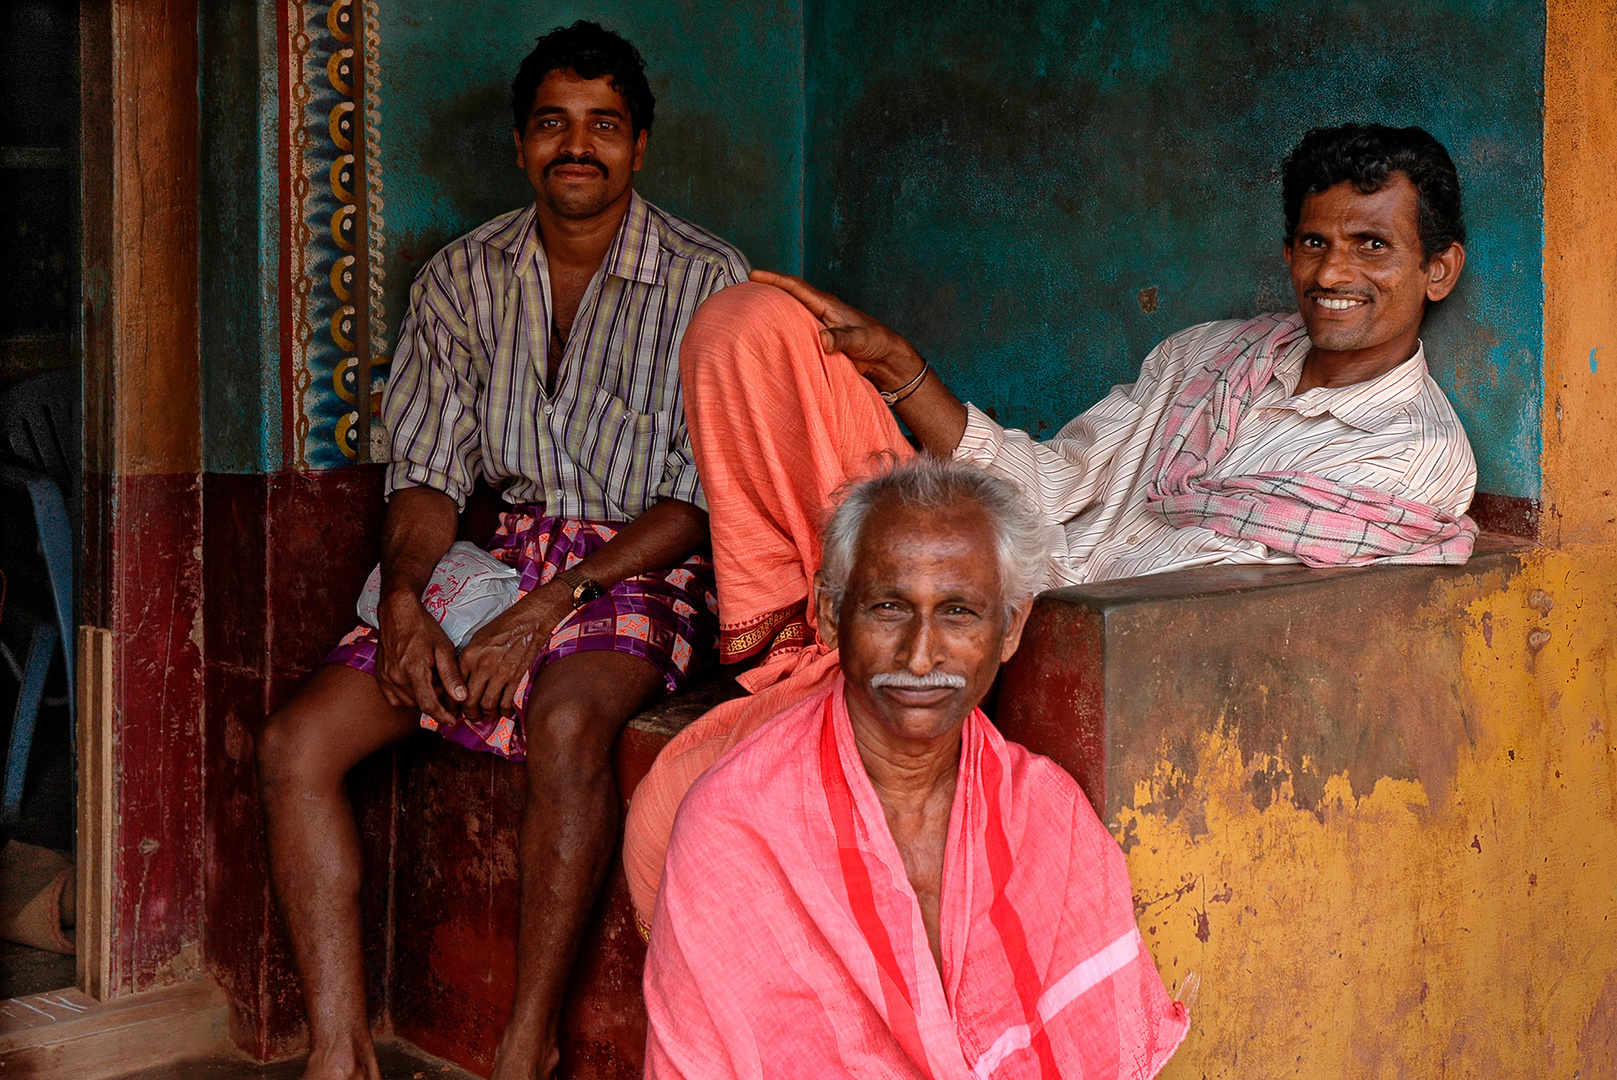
586,592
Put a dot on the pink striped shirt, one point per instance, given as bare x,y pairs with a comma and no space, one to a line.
1396,433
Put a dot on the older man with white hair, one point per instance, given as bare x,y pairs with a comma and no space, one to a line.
876,883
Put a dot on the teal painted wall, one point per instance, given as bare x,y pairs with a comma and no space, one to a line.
1002,181
725,151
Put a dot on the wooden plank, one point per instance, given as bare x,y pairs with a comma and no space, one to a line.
40,1010
89,1040
97,812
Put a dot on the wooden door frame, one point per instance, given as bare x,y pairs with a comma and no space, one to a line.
139,671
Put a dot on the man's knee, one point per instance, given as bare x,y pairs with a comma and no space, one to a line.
737,325
569,742
284,750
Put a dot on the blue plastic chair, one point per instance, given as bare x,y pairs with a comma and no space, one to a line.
38,456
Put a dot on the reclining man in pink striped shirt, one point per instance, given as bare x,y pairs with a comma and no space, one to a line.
1314,436
540,353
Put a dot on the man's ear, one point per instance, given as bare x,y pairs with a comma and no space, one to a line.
1013,634
1285,251
823,605
639,150
1443,272
516,137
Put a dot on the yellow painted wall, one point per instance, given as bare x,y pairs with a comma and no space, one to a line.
1384,935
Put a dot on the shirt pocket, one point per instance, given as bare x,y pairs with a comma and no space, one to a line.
624,451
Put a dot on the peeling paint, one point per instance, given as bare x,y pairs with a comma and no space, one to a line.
1374,933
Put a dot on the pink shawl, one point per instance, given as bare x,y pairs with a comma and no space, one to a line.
787,941
1320,521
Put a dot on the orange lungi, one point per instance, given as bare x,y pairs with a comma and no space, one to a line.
777,427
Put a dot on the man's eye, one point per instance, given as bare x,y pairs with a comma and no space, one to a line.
1375,245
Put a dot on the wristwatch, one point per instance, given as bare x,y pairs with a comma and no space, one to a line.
584,590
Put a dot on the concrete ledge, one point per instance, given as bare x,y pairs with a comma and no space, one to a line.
1359,664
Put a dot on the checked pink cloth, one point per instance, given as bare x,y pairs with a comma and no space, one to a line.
1322,522
788,942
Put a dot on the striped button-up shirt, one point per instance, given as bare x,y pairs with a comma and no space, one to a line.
1396,433
467,392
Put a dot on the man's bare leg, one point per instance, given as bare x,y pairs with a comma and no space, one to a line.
569,830
337,720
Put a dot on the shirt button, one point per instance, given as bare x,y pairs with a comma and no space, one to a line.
549,408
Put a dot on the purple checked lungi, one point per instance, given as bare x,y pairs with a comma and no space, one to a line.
668,618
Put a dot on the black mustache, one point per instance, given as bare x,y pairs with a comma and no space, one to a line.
570,159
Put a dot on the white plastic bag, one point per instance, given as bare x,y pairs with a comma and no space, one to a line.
469,587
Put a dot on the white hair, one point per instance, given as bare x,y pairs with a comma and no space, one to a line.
930,484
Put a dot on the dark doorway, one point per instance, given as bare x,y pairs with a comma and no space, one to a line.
40,442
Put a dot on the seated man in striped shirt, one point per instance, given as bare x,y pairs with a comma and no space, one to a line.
921,897
1313,436
540,352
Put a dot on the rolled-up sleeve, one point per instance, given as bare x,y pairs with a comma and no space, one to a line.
431,403
679,469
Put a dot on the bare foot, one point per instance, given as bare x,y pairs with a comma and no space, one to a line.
523,1057
346,1061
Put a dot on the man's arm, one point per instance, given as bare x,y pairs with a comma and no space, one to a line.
932,412
499,654
414,651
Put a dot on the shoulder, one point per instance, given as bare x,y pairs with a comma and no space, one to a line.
691,243
769,762
1190,348
1425,415
496,236
1438,432
1050,802
502,236
1047,784
767,768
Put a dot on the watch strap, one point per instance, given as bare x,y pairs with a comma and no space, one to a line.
583,588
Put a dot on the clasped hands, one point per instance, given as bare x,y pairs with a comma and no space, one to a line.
416,664
877,352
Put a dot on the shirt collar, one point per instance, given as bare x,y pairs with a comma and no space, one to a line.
635,252
1369,406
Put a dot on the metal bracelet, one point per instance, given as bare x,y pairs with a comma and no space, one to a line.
893,397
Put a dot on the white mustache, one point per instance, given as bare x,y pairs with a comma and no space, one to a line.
932,680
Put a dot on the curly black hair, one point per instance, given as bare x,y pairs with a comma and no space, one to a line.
1366,156
589,50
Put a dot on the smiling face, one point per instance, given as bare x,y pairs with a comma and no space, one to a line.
922,606
578,149
1361,278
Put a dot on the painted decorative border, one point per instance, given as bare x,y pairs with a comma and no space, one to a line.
334,256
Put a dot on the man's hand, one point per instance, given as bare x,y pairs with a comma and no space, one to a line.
415,662
877,352
502,651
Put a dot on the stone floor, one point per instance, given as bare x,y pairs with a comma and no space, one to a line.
399,1061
